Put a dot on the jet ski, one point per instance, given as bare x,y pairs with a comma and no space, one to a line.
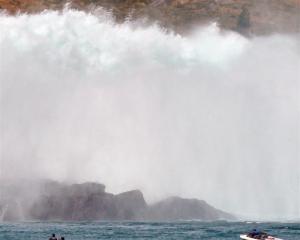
266,237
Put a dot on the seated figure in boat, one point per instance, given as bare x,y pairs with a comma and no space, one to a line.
53,237
257,234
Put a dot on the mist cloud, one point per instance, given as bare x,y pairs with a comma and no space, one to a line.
212,115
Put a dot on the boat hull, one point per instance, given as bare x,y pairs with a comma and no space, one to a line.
268,238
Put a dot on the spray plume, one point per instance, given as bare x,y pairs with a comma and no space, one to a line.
212,115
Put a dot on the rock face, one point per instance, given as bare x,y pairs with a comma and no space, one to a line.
176,208
245,16
89,201
130,205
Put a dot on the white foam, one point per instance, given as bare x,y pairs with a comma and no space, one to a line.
212,115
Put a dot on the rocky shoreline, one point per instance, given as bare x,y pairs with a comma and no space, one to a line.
248,17
89,201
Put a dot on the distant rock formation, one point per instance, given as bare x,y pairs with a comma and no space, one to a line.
89,201
245,16
176,208
130,205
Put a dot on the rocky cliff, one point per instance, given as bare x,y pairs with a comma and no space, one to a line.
176,208
89,201
246,16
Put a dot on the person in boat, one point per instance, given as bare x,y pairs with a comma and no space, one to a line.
253,233
53,237
257,234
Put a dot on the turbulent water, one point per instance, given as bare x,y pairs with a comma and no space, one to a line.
128,230
212,115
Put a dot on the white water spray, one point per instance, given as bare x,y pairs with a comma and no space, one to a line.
212,115
3,212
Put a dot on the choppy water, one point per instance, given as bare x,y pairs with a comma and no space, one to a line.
143,230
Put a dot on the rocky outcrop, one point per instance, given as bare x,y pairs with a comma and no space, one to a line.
176,208
245,16
130,205
89,201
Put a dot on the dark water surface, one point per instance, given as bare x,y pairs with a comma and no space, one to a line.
143,230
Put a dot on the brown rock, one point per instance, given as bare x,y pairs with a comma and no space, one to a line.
265,16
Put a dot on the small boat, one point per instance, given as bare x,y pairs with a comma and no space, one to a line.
246,237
